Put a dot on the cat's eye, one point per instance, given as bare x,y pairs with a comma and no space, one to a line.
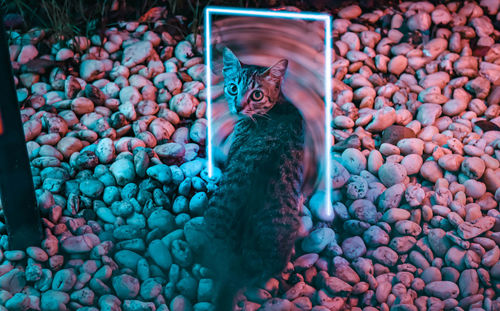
232,89
257,95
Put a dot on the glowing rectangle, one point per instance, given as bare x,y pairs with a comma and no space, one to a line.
326,18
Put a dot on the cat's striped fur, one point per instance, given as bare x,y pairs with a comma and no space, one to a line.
253,217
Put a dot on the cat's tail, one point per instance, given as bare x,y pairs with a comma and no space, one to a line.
225,295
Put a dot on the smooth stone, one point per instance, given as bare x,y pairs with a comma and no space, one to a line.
317,240
394,133
392,173
468,230
354,161
126,286
160,254
353,247
123,170
442,289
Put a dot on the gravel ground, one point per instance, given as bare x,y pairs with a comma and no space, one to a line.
117,155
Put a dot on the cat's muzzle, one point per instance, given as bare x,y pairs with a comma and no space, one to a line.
239,107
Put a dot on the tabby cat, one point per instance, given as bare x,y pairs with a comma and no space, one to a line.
253,217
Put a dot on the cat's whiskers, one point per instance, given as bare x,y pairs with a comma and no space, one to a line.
252,118
266,115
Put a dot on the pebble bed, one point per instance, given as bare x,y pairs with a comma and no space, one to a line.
118,162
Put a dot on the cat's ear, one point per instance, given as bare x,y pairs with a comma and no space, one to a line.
277,71
230,61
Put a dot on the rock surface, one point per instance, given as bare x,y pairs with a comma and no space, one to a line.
117,153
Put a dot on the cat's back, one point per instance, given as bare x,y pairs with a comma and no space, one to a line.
253,214
261,147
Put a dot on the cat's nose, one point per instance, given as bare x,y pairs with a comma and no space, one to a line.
239,107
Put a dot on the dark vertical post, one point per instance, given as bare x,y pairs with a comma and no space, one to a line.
16,184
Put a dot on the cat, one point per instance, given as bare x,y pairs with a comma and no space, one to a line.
253,217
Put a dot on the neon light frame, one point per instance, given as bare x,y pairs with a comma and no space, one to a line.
327,19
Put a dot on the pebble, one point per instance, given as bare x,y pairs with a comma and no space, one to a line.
53,300
123,171
130,94
198,131
105,150
150,289
454,107
353,247
442,289
317,240
455,257
198,203
125,286
121,208
69,145
474,188
375,236
438,242
160,254
451,162
184,104
64,280
385,256
132,305
305,261
402,244
340,175
412,163
392,173
14,255
354,161
170,150
82,105
37,253
77,244
395,214
364,210
181,253
394,133
350,12
491,257
127,258
13,281
473,167
468,283
468,230
19,301
181,303
432,49
319,209
160,172
428,113
92,188
431,171
398,64
356,188
419,21
136,53
194,234
192,168
382,119
92,69
27,53
411,146
161,219
405,227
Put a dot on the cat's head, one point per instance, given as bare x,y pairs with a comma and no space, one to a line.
249,89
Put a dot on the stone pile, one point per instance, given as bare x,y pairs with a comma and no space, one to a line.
117,156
